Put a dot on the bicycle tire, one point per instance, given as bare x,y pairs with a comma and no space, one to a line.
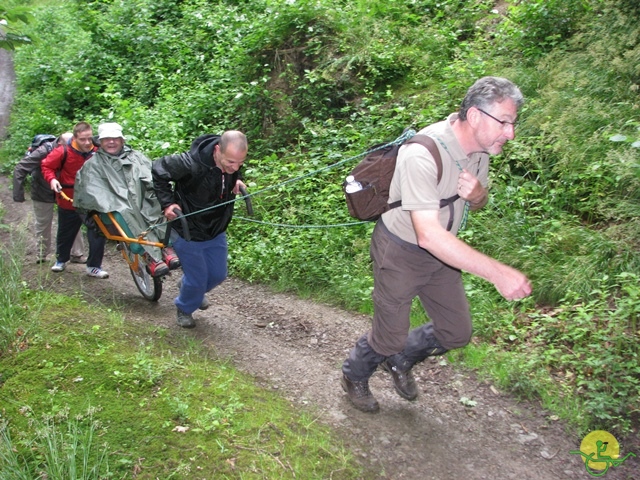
149,287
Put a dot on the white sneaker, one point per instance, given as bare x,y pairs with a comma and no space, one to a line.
58,267
97,272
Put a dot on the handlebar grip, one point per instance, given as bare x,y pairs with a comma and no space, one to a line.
247,201
185,228
183,222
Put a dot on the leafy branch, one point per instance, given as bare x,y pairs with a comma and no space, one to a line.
10,37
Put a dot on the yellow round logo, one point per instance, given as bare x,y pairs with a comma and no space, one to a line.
600,450
600,445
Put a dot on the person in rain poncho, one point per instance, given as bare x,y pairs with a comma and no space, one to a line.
118,179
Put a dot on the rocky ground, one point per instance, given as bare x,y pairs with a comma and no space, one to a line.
296,347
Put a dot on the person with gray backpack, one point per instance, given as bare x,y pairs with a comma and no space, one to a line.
42,197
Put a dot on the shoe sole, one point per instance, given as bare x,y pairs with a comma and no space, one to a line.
160,273
403,395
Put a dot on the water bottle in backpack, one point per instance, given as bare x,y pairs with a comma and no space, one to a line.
351,185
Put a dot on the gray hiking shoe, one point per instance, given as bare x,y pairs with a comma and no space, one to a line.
185,320
205,303
403,382
360,395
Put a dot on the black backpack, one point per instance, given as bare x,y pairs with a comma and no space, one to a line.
48,142
375,171
40,139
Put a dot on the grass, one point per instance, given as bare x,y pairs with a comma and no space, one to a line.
86,394
521,377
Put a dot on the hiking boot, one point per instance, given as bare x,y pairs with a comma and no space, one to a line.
185,320
157,269
78,259
170,258
403,382
59,266
360,395
97,272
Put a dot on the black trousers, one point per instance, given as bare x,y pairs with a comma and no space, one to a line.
69,224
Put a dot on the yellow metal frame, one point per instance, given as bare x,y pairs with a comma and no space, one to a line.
123,237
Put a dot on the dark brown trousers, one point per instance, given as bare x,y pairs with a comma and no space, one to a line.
403,271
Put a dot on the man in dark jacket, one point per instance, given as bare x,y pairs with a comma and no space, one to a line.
206,180
42,198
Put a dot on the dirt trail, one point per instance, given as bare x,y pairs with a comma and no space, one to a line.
296,346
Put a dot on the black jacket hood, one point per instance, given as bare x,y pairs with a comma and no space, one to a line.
202,149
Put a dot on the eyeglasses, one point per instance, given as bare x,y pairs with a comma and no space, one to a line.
504,123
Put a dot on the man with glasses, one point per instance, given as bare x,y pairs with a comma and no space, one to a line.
415,254
205,182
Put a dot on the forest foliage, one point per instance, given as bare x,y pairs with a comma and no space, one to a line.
317,82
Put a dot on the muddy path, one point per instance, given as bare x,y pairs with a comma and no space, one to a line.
296,347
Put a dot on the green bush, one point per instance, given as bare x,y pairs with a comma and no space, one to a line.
536,27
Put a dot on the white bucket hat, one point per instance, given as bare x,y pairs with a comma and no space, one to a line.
110,130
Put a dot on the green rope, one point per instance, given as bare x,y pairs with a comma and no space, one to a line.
401,139
288,225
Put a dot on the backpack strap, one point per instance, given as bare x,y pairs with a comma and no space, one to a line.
429,143
448,202
64,156
64,159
